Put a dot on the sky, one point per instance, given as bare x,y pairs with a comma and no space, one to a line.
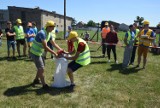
121,11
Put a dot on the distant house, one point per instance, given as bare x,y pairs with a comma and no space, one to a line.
123,27
38,15
4,17
80,24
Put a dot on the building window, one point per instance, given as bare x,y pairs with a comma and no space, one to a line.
1,16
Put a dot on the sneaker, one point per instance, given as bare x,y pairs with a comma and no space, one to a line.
143,67
103,56
14,58
137,66
72,85
116,62
45,87
109,61
36,81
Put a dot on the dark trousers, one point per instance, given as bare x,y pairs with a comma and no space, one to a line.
103,47
133,54
113,48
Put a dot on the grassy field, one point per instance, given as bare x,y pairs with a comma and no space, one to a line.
98,85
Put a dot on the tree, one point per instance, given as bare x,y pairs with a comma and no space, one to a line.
91,23
139,20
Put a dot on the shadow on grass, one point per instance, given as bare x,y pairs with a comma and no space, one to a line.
97,57
22,90
99,62
125,71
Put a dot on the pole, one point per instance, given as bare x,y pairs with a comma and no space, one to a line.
97,32
64,18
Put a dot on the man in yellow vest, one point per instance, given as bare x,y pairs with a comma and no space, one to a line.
37,49
104,32
146,36
20,37
81,55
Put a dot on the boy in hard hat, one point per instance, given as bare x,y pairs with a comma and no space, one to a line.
81,55
20,37
37,49
146,36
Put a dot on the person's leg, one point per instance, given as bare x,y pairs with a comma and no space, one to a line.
8,48
114,52
24,47
70,74
103,47
127,55
108,51
145,57
133,54
18,48
13,48
140,52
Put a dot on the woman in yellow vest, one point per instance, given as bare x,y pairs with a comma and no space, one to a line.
146,36
81,55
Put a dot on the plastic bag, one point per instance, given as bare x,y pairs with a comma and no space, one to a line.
60,73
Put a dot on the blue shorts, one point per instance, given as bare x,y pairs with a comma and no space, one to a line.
11,43
74,66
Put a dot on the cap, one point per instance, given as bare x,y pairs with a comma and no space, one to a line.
106,23
146,22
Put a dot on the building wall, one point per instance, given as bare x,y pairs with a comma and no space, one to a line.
4,17
58,19
26,15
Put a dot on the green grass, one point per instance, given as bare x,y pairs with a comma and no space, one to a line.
98,85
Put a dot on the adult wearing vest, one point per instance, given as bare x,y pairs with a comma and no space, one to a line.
104,32
81,55
20,37
135,44
37,49
129,42
146,36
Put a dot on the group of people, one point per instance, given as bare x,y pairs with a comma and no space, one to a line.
16,36
136,37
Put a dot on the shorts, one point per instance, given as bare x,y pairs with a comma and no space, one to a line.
29,44
11,43
21,41
143,50
38,60
74,66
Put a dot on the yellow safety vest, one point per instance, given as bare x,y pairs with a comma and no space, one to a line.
145,42
37,47
19,32
137,38
84,57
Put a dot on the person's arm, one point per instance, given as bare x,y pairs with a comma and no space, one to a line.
55,44
125,39
116,38
73,57
44,43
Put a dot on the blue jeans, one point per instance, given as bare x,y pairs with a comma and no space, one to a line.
11,43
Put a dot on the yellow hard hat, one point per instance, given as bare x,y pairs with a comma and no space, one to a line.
72,34
106,23
19,21
145,22
50,23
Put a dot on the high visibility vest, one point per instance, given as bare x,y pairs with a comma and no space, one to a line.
84,57
145,42
129,37
137,38
37,47
53,33
104,32
19,32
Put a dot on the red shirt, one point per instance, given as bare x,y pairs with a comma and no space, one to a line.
81,47
111,37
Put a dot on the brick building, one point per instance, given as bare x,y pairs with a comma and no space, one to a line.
38,15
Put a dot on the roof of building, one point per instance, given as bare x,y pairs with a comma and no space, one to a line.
42,10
